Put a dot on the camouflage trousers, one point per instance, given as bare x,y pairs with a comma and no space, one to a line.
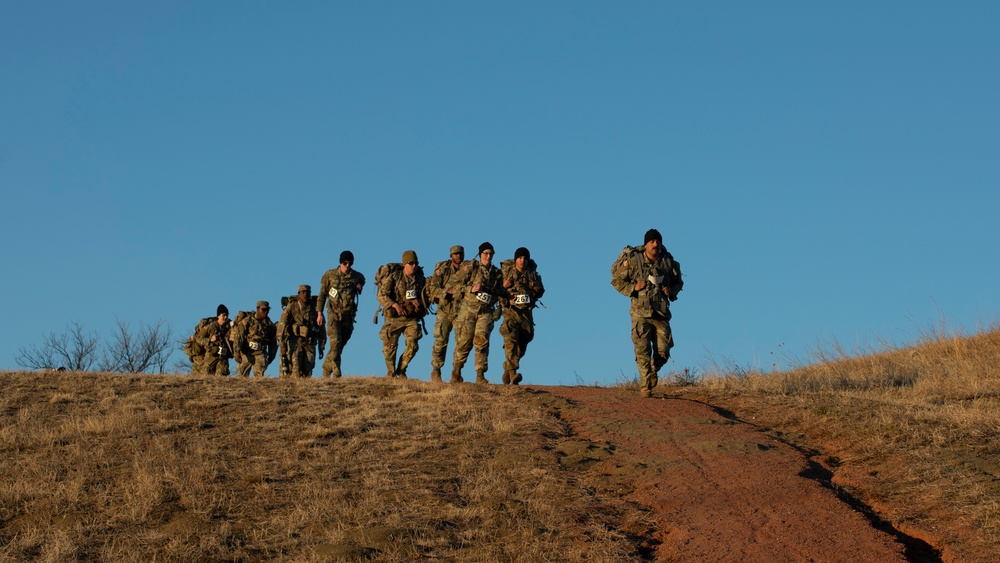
392,329
518,329
442,332
652,340
473,328
256,359
214,364
302,352
338,333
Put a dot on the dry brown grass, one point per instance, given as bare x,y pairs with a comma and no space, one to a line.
141,468
914,432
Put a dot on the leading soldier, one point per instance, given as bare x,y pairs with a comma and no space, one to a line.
339,290
650,277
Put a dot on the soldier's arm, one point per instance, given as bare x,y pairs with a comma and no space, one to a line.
324,292
676,280
623,281
537,286
386,293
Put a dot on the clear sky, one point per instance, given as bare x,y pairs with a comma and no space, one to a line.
822,171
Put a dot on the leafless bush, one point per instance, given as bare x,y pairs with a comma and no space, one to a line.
146,349
75,350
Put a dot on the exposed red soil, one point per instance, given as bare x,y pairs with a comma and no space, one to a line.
719,489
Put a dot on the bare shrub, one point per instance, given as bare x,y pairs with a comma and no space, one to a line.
147,349
76,349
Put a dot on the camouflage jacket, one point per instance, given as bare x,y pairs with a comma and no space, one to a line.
659,273
488,277
526,287
338,292
258,335
221,346
437,288
408,292
298,320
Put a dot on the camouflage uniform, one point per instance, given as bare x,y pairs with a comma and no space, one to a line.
257,342
475,319
650,310
215,361
339,292
448,305
194,351
518,328
300,334
408,292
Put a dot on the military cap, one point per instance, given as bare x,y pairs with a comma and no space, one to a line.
457,249
409,256
221,310
304,287
263,305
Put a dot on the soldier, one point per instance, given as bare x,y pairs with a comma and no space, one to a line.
482,284
524,284
339,290
402,296
448,303
256,342
195,351
301,331
650,277
214,338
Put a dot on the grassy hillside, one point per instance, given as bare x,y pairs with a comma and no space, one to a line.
913,432
127,468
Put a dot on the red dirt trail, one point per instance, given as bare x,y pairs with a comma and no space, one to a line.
719,489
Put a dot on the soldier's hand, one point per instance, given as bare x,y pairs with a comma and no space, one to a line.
398,308
319,319
507,282
536,286
476,288
238,358
640,285
213,339
666,291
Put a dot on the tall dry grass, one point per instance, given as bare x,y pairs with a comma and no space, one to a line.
912,431
126,468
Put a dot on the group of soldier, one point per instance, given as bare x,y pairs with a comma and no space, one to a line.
467,297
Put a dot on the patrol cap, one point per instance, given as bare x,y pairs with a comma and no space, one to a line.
304,287
457,249
263,305
409,256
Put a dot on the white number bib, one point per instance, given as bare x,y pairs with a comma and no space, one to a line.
522,299
411,294
484,297
333,293
655,280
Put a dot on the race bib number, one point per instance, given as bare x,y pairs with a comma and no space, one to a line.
655,280
484,297
411,294
255,346
333,293
522,299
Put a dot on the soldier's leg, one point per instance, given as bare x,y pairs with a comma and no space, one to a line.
663,341
509,349
346,330
246,362
524,332
390,344
465,329
332,337
413,334
299,361
442,331
259,363
642,334
310,354
481,340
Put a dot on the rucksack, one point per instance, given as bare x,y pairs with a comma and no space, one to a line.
191,348
626,254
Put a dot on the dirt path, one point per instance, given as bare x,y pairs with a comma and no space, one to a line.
720,490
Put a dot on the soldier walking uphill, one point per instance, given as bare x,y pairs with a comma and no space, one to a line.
301,332
482,284
525,286
255,342
401,294
339,290
650,277
448,303
214,339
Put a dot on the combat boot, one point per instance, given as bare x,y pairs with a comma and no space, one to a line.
436,375
456,375
516,379
646,393
506,377
481,377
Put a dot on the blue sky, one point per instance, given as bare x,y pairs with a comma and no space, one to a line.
822,172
